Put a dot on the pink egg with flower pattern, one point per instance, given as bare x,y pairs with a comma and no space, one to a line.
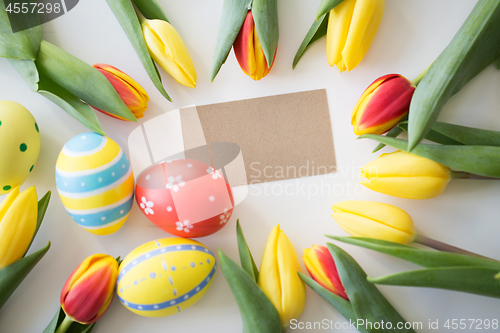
185,197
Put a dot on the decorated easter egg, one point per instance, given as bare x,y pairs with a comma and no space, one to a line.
95,182
19,145
185,197
165,276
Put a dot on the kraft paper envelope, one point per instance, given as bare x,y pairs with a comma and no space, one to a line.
250,141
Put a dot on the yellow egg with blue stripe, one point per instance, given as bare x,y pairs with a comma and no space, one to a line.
165,276
95,182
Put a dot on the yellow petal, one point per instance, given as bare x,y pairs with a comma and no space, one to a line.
269,279
339,21
7,202
168,50
408,187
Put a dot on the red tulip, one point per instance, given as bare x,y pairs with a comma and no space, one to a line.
383,104
131,93
89,290
320,265
248,50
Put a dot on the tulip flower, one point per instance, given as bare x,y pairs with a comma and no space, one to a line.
352,25
18,216
405,175
167,49
320,265
278,277
89,290
375,220
248,50
132,94
383,104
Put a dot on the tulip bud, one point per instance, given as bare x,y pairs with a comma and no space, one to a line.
248,50
383,104
405,175
18,215
375,220
167,49
131,93
352,25
278,277
320,265
89,290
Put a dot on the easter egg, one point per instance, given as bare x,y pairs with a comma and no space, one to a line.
165,276
19,145
185,197
95,182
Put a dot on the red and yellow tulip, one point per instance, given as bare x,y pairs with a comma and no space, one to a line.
383,104
248,50
132,94
320,265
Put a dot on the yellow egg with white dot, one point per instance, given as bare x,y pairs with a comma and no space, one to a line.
19,145
165,276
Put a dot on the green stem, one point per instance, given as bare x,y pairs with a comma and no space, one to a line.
466,175
66,323
141,17
420,76
440,246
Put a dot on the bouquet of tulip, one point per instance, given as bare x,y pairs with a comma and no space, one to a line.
269,299
350,27
250,27
155,40
57,75
20,219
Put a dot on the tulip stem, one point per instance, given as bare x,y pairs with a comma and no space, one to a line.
139,14
466,175
66,323
420,76
440,246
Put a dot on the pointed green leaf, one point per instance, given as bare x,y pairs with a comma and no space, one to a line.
28,71
22,44
265,15
393,133
474,47
325,7
367,301
151,10
74,328
125,14
246,259
425,258
433,135
478,160
43,203
257,312
468,135
12,275
80,79
474,280
317,30
233,16
342,305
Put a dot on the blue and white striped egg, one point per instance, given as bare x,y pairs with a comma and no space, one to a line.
95,182
165,276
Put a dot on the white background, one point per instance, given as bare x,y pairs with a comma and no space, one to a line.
411,36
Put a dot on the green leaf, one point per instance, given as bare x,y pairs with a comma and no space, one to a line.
468,135
125,14
151,10
342,305
478,160
74,328
474,280
80,79
22,44
28,71
257,312
393,133
367,301
233,16
425,258
265,16
43,203
497,63
12,275
474,47
317,30
247,262
433,135
325,7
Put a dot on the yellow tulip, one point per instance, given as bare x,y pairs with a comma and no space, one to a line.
405,175
278,277
167,49
18,214
375,220
352,25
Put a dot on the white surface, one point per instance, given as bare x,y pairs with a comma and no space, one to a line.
411,36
